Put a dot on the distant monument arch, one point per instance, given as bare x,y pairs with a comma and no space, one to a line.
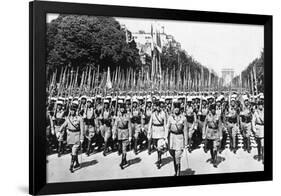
227,76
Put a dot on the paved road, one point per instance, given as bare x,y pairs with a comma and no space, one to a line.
98,167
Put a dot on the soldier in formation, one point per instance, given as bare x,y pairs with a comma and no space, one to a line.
170,122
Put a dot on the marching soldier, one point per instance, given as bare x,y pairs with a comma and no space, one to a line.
89,125
122,129
246,123
137,123
232,124
203,112
105,128
176,136
81,112
220,113
258,128
191,118
58,119
74,126
156,130
146,120
212,132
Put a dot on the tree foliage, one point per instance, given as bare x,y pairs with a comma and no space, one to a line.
80,41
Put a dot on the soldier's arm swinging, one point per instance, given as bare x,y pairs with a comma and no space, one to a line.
204,129
149,126
114,129
63,125
130,129
167,129
185,132
81,124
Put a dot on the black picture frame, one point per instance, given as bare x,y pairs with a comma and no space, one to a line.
37,96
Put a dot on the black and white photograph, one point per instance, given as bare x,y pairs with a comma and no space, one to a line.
139,98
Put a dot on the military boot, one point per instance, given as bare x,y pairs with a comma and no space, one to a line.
248,145
122,162
215,163
105,149
175,167
159,161
178,169
149,146
71,164
76,165
59,149
136,146
88,148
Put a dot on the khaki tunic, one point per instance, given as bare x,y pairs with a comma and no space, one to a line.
156,126
74,126
246,122
177,132
122,127
89,123
258,123
191,118
212,127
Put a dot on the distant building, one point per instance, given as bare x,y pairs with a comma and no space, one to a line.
227,76
144,41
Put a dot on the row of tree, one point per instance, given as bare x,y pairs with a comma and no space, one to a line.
84,51
252,78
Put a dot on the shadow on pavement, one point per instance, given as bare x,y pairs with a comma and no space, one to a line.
187,172
166,161
88,163
134,161
219,160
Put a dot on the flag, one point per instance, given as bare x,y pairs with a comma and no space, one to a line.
108,80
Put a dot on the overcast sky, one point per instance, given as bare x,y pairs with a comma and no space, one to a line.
215,45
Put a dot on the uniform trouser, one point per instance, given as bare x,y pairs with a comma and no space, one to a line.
89,134
232,131
136,129
74,148
260,146
106,134
246,132
176,154
124,145
190,133
213,145
148,136
59,138
59,135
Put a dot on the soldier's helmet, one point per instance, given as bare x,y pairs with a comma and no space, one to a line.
59,102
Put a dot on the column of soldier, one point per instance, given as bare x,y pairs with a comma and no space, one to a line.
174,123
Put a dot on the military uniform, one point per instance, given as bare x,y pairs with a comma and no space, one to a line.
137,125
258,128
58,119
89,122
105,128
191,125
156,130
246,126
122,129
212,132
232,127
201,119
177,138
74,126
